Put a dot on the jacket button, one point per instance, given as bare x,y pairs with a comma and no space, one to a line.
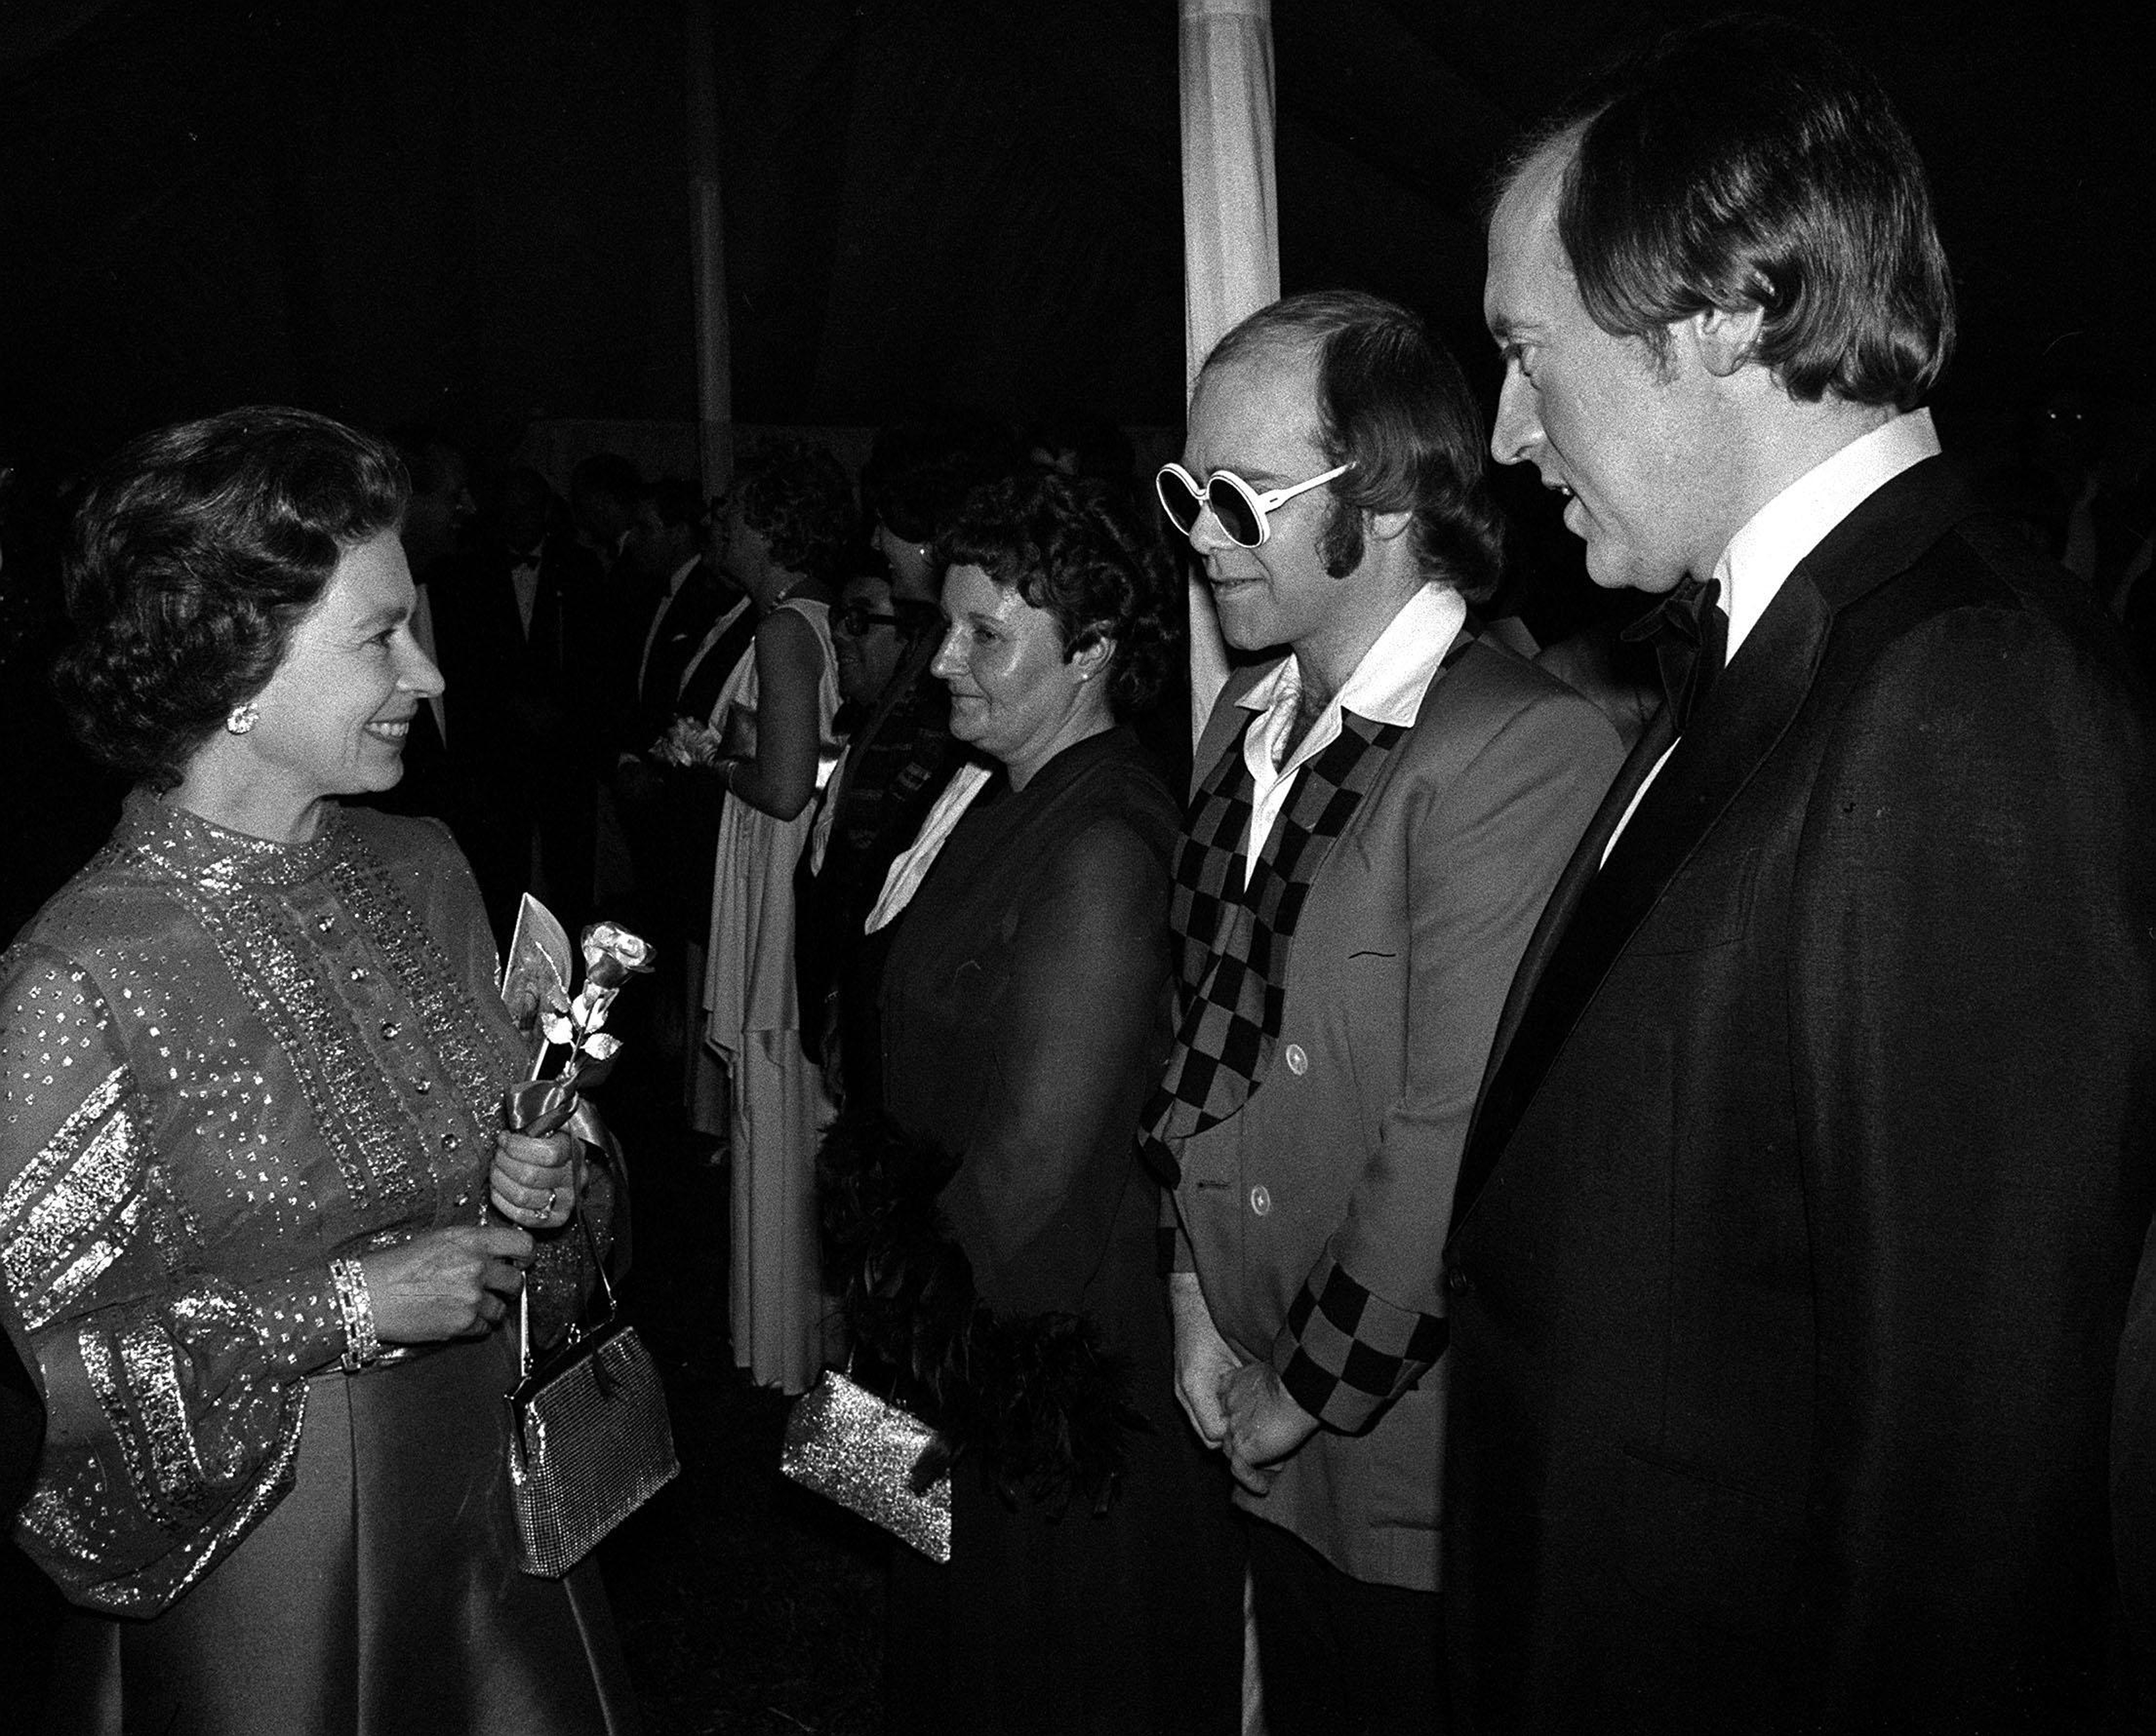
1298,1063
1456,1281
1261,1202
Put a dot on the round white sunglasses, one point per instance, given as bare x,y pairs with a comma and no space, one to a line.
1240,509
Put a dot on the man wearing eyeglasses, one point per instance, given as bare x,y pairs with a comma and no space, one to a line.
1380,808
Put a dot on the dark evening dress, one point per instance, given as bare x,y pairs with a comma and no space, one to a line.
228,1062
1024,1015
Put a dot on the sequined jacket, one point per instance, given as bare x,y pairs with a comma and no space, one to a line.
226,1062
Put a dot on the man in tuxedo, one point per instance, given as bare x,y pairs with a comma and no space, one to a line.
684,654
512,617
1797,1227
1378,816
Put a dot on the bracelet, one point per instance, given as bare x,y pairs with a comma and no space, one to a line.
356,1309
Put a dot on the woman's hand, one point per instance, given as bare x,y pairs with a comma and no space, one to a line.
537,1182
447,1283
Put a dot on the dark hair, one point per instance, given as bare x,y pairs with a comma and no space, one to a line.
609,474
919,474
195,552
423,448
1748,162
797,497
1069,548
1391,403
676,502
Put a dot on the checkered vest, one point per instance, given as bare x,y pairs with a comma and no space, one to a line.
1236,939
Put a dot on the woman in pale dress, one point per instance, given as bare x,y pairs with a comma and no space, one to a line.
791,512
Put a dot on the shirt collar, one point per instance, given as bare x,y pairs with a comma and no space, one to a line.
1389,684
682,572
1773,540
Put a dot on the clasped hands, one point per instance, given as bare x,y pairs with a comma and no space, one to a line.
458,1281
1238,1406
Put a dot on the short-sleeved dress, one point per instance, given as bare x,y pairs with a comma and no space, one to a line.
227,1062
1024,1016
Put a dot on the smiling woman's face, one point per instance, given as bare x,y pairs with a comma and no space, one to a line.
334,717
1014,694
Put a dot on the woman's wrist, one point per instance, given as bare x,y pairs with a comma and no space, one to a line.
355,1304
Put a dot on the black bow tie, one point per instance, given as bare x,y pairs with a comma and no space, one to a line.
1690,635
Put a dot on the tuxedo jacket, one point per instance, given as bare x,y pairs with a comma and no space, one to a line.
1797,1227
525,721
1345,1152
659,676
511,691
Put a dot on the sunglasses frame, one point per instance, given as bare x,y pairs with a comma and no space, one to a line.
1261,506
844,617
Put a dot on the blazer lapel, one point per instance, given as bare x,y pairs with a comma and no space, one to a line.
1596,908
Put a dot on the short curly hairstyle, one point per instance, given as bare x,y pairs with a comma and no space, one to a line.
1067,547
194,553
799,497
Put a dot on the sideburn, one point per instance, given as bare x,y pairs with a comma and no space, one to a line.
1340,544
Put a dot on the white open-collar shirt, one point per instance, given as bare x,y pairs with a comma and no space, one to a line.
1767,548
1387,688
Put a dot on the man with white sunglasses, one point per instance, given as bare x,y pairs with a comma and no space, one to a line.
1378,812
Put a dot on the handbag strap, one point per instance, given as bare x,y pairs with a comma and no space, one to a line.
524,1296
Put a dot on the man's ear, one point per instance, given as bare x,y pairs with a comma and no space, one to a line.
1387,525
1724,339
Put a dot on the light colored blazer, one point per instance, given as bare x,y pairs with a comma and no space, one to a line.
1350,1145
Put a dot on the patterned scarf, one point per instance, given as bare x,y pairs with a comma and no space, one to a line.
1235,939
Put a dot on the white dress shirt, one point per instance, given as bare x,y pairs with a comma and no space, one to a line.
1387,688
651,633
1771,543
525,576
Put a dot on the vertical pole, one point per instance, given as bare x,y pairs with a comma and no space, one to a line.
1230,269
1231,227
714,443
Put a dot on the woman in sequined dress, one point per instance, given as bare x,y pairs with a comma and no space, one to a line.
258,1227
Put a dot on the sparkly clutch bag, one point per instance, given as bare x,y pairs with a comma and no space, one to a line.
589,1441
858,1450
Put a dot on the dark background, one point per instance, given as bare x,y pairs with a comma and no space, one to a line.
477,213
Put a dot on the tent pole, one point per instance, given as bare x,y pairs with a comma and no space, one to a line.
1231,227
714,443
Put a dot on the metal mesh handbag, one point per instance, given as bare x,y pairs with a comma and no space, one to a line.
858,1450
589,1441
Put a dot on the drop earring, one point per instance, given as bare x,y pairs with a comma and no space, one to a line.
241,718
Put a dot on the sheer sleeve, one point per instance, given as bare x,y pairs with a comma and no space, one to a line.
175,1395
1071,1052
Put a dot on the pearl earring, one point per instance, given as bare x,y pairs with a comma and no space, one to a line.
241,718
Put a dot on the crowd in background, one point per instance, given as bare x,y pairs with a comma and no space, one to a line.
971,971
